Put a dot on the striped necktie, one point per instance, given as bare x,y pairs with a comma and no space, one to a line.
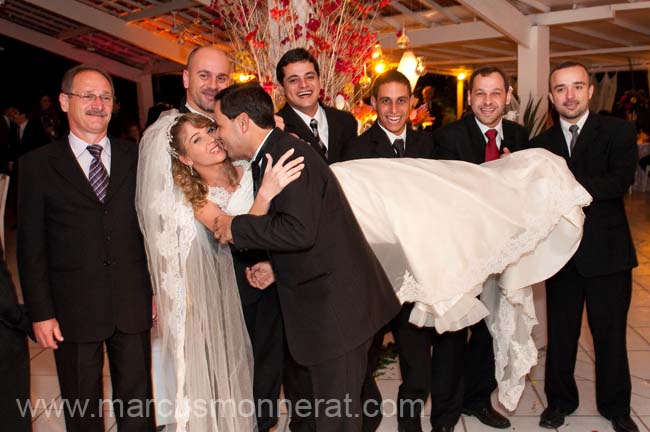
97,175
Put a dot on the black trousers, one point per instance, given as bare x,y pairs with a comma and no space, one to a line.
430,363
79,366
608,301
264,324
479,379
332,403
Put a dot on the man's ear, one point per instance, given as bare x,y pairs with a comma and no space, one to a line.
186,78
243,122
63,100
373,102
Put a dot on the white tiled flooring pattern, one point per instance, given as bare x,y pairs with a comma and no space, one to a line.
526,417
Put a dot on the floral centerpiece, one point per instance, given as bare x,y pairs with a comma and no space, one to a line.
336,32
633,101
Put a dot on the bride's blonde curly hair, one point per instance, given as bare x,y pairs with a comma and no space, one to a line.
188,180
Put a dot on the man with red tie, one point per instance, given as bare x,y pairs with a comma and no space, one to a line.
478,137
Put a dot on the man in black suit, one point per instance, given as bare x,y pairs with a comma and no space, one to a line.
479,137
601,153
326,129
391,136
82,262
333,292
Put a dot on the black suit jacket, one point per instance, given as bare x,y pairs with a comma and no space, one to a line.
342,127
333,292
604,162
374,143
81,261
34,136
463,140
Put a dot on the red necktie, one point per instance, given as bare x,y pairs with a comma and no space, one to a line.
491,149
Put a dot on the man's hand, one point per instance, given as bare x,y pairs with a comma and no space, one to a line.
222,230
506,152
260,275
48,333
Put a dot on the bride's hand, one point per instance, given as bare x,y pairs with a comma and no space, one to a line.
278,176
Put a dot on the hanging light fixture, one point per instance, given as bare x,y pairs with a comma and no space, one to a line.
408,65
376,52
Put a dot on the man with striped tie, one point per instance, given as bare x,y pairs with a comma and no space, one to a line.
82,262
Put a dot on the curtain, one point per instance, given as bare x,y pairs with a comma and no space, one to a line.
604,92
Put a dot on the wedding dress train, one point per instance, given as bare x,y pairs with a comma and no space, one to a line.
448,231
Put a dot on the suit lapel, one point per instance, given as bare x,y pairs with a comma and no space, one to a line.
65,163
382,146
558,143
293,123
412,145
120,166
588,135
477,140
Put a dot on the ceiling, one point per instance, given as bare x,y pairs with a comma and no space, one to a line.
132,37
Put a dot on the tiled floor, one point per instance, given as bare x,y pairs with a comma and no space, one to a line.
526,417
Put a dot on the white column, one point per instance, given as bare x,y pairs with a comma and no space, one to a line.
533,68
145,96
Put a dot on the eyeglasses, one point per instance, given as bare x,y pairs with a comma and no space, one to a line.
90,97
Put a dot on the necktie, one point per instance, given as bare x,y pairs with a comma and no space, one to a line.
398,147
491,149
574,138
97,175
320,146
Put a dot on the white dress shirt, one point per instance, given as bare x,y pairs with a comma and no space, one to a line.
392,137
84,158
565,125
499,129
323,127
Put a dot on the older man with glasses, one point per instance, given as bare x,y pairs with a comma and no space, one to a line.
82,262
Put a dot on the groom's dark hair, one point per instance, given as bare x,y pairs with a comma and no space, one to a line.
250,98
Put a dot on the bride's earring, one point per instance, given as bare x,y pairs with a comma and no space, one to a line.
191,170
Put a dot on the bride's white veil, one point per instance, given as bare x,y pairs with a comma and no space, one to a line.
204,338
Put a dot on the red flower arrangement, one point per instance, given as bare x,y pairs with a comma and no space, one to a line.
633,101
336,32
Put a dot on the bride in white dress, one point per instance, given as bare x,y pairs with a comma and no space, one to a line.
460,230
202,358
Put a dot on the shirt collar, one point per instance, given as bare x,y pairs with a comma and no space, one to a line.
260,146
192,110
319,116
79,146
565,125
485,128
391,136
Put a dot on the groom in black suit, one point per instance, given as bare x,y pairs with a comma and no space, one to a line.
333,292
479,137
601,153
82,262
391,137
299,77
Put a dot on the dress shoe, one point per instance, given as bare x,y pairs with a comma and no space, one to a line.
552,418
488,416
409,426
442,429
624,423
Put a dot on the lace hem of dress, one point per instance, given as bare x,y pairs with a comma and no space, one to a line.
514,314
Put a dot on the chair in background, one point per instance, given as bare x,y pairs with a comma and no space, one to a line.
4,188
